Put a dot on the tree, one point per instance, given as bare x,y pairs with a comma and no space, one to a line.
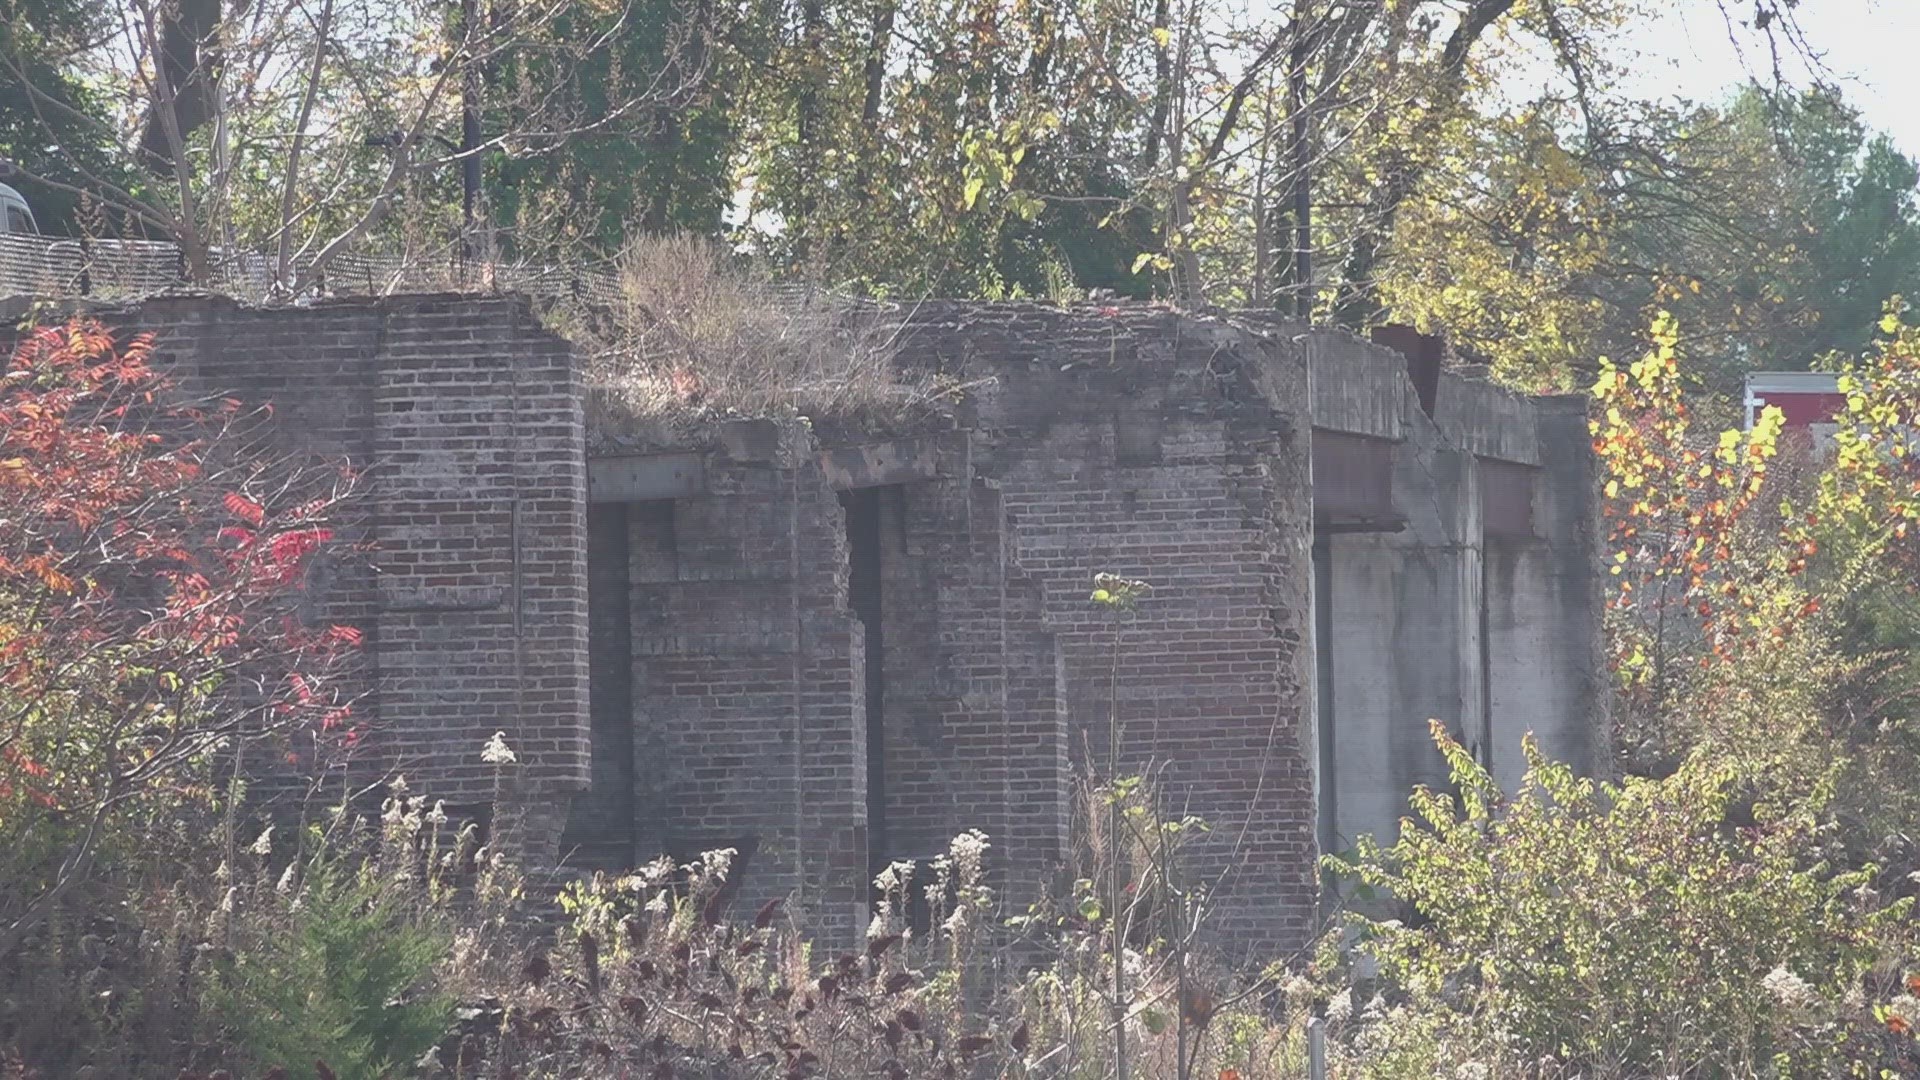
1855,200
1762,605
919,147
311,127
1778,229
50,172
663,166
1689,589
151,557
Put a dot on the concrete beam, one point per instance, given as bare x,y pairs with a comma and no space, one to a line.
1357,388
639,477
900,462
1489,420
1353,483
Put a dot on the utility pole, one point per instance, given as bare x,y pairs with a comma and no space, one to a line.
469,126
1297,106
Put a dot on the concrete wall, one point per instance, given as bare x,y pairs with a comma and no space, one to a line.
1545,605
1474,600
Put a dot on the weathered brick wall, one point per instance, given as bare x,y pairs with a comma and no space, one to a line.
748,686
1171,450
481,496
729,659
975,730
465,416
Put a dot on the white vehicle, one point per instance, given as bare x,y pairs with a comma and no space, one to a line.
16,217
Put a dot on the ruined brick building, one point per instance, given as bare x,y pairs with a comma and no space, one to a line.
832,654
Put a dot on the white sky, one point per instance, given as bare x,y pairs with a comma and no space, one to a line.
1871,47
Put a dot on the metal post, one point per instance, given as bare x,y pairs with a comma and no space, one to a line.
1316,1049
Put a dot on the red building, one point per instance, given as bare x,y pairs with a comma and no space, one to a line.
1807,399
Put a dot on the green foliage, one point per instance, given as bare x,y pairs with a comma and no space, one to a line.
63,137
1851,196
1743,907
1116,593
1868,497
665,168
337,966
1502,266
1772,227
1655,927
906,147
1022,148
1776,229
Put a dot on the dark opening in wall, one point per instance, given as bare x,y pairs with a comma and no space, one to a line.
600,824
1352,482
864,597
1506,499
1323,684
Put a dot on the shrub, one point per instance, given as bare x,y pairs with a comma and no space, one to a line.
151,551
1657,927
338,959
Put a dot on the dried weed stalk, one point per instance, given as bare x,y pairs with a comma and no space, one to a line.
691,338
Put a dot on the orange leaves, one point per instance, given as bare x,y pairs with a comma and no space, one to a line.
136,580
42,567
1678,503
244,508
294,545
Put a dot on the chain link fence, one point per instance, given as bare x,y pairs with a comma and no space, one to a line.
129,269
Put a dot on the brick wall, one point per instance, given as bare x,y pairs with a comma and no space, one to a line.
1167,449
1150,445
975,731
465,416
713,691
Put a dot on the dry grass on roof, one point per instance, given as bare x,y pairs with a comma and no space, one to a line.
690,338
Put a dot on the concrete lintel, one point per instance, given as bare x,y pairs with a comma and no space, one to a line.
1338,527
639,477
902,461
1491,421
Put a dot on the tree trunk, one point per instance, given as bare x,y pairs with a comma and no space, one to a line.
1357,300
807,125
